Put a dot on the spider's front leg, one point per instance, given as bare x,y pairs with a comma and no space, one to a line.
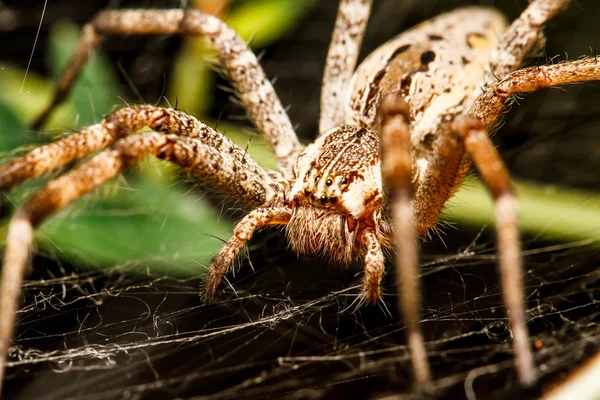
261,103
446,168
497,179
473,131
396,166
242,233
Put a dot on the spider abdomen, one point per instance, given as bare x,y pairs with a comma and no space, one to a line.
436,67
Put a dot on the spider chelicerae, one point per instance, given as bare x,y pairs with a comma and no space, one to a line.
428,99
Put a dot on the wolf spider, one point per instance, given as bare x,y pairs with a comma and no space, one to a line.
431,96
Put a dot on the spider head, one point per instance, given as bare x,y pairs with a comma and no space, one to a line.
336,193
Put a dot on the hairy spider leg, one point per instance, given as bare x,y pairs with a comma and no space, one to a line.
348,33
263,107
524,38
242,233
396,167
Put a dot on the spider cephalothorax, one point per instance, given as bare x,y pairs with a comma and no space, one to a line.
337,194
424,102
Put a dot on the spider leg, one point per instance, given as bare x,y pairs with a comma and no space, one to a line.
445,169
260,101
529,80
497,179
473,129
207,154
489,105
396,166
374,266
223,172
242,233
89,140
55,155
348,34
522,39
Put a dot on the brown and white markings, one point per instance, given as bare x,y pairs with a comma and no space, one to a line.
430,96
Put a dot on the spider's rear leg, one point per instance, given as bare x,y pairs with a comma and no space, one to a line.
261,103
396,166
348,33
522,39
497,179
490,104
242,233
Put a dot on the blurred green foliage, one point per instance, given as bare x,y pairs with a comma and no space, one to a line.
548,212
93,95
142,221
260,22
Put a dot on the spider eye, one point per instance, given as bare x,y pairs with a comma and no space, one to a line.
317,179
344,181
328,182
323,199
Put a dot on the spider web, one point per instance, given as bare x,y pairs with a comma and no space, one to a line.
284,327
290,329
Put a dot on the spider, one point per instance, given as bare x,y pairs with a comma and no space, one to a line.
396,137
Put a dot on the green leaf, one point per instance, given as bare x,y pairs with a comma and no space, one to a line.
147,225
546,211
265,21
95,92
13,133
27,96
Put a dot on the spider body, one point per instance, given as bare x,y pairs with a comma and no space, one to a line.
438,67
336,190
336,194
395,139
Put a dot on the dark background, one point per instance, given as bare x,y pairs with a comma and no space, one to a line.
552,136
